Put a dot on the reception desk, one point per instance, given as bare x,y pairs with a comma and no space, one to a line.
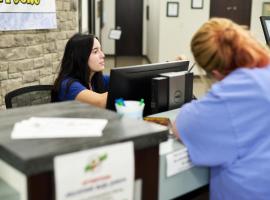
183,182
27,165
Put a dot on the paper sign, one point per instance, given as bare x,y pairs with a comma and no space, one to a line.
115,34
27,21
27,15
101,173
268,26
177,162
33,6
173,9
197,3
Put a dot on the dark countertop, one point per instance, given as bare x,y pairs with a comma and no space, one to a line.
32,156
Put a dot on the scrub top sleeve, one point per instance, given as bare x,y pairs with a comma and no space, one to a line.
205,129
74,89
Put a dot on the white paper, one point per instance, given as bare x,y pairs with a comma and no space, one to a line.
102,173
197,3
166,147
42,127
177,162
27,21
115,34
37,7
27,16
268,26
173,9
138,189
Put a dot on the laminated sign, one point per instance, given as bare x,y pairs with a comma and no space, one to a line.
102,173
177,162
27,14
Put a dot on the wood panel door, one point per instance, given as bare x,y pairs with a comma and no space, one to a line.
236,10
129,16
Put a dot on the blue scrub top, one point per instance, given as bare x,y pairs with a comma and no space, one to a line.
75,88
228,130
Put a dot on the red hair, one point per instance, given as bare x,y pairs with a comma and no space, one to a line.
224,45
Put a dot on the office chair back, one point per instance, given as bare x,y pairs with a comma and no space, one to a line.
27,96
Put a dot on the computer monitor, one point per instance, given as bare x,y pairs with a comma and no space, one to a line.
265,21
134,82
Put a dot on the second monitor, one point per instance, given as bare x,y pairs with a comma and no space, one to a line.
265,22
134,82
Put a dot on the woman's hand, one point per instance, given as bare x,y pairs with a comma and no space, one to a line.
181,57
175,131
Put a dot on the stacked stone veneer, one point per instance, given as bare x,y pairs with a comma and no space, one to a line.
33,57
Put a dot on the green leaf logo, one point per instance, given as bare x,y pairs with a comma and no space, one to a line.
95,162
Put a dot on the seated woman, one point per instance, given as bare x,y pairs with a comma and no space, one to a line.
80,77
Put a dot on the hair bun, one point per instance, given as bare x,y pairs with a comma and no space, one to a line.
228,36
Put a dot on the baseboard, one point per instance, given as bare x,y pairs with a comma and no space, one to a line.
148,60
109,55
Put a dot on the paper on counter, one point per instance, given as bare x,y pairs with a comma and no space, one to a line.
50,127
177,162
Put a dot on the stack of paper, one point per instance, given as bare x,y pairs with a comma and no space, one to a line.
42,127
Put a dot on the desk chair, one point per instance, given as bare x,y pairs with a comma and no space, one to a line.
27,96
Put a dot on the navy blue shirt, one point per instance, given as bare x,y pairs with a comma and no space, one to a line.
75,88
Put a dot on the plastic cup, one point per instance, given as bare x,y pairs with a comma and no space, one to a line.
131,109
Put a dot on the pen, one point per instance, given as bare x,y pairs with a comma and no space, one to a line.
141,102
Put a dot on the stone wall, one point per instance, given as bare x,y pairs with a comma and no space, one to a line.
32,57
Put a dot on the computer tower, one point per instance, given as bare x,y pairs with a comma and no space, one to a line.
189,87
176,89
179,88
159,95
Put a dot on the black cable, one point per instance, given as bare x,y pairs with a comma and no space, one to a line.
191,67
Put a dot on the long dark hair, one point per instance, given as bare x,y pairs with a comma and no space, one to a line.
74,65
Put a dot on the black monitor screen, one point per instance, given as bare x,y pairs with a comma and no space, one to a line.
134,82
265,21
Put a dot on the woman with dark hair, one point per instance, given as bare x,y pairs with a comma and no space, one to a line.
80,77
228,129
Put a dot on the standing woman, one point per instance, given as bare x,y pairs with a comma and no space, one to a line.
80,77
228,129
